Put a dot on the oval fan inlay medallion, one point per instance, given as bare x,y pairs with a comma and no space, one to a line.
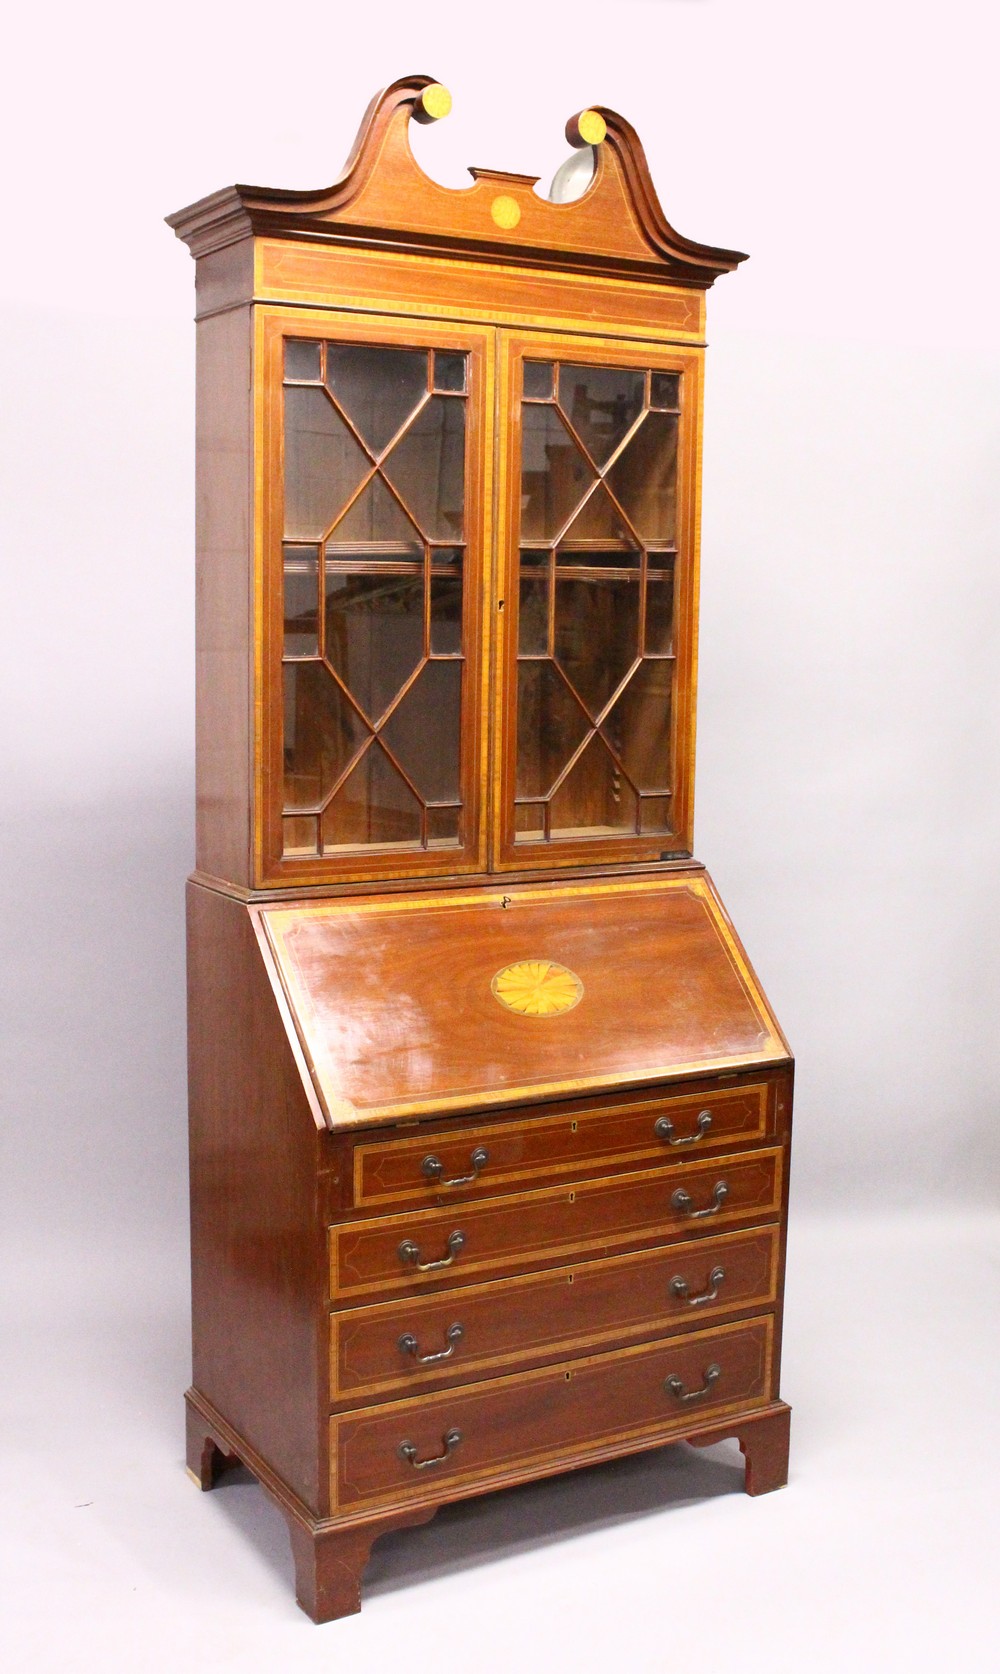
537,988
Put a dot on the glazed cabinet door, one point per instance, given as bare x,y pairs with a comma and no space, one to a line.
597,544
374,487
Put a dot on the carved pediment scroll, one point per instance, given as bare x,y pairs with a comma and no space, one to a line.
383,197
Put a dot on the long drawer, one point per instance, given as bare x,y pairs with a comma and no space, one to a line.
426,1342
499,1156
548,1419
415,1251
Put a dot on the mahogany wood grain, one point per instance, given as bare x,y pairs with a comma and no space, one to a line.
524,1322
534,1229
606,1138
256,1239
395,1010
567,1409
223,619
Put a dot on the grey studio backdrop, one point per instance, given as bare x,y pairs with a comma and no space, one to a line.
848,799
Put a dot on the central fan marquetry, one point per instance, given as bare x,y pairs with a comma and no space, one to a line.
537,988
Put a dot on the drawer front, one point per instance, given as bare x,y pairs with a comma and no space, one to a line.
546,1420
412,1252
514,1322
507,1156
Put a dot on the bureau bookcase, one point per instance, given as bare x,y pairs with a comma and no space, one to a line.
489,1115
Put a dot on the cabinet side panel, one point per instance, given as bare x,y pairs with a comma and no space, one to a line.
256,1239
223,642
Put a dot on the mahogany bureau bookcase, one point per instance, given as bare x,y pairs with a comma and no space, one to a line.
489,1115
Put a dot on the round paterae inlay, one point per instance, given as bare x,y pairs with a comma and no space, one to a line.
505,211
537,988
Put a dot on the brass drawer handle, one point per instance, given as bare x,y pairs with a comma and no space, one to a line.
664,1129
409,1251
683,1201
407,1451
675,1385
433,1167
679,1286
408,1345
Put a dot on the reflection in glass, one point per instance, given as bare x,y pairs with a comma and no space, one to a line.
301,588
644,478
660,612
374,805
654,814
594,797
446,604
639,726
374,470
538,375
302,359
602,403
533,614
377,386
427,468
323,463
449,371
377,519
423,731
599,496
554,474
664,389
443,827
301,835
529,821
322,733
550,725
374,632
596,635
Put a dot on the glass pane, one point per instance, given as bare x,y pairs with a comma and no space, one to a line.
644,478
322,734
374,633
533,614
596,635
301,569
427,468
529,822
443,827
665,389
449,371
639,726
373,805
594,798
538,376
300,835
550,725
660,611
599,523
424,732
378,387
446,607
378,520
554,474
302,359
323,464
602,403
654,814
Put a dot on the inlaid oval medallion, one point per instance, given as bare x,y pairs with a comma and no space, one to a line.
537,988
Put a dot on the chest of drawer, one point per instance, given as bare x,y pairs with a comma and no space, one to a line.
548,1419
410,1252
427,1342
595,1138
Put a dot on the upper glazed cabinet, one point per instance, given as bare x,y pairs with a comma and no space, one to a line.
449,450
